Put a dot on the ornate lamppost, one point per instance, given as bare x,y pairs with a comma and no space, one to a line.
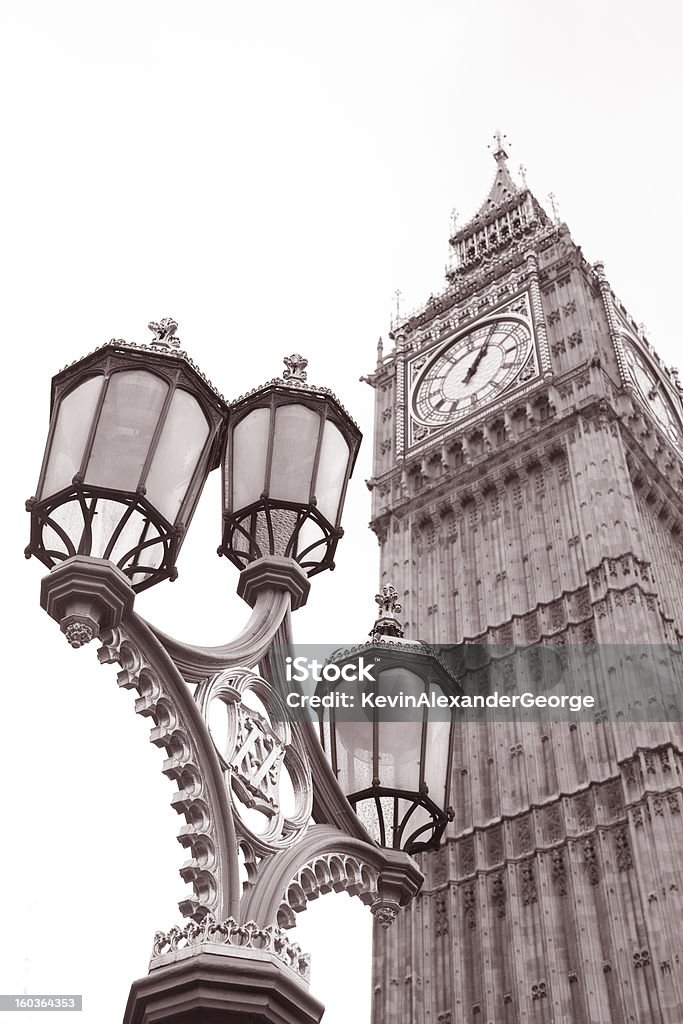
134,432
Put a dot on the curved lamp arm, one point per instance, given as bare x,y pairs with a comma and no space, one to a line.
90,596
249,647
272,586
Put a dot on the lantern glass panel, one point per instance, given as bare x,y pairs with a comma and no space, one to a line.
181,443
311,536
130,414
294,446
74,421
137,529
249,457
334,459
369,818
69,518
419,816
399,742
354,746
436,767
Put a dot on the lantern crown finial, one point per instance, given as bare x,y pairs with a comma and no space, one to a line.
164,333
295,369
387,624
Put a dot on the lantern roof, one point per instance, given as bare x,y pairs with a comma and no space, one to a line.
165,344
294,380
388,643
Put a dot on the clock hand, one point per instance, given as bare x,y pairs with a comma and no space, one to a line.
473,368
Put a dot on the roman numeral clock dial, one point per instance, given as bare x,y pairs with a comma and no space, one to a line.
471,371
654,394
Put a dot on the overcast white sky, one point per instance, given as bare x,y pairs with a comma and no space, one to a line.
268,174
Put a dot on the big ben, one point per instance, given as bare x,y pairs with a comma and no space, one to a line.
527,493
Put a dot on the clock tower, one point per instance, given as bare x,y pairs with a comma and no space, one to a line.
527,494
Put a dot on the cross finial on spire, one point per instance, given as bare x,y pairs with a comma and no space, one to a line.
498,146
397,307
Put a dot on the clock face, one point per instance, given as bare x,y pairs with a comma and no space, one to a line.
653,390
471,371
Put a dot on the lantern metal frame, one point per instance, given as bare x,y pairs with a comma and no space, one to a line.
177,370
389,649
239,543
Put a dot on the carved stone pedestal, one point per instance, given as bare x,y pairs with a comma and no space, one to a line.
207,984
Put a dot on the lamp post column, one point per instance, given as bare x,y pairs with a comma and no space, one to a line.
134,432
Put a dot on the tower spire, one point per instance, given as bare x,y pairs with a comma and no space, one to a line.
503,187
508,213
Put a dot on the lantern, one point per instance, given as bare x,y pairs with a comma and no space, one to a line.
134,432
393,757
290,452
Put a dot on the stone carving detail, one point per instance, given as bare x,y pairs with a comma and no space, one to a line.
584,812
441,866
230,933
553,824
556,614
495,845
614,799
623,850
78,634
590,860
641,958
498,894
641,813
331,872
164,332
524,839
531,633
467,856
295,369
632,773
539,991
559,873
674,805
529,894
441,915
469,902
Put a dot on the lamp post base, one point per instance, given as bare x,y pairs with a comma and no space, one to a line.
208,984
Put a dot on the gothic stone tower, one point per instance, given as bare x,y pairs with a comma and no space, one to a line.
527,489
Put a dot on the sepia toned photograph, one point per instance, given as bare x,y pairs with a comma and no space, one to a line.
344,452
